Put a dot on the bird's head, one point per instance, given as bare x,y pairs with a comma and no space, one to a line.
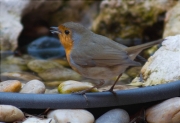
70,33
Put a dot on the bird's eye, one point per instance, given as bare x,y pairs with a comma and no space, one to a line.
67,32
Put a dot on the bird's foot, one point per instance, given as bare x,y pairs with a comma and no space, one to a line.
112,87
83,93
88,90
111,90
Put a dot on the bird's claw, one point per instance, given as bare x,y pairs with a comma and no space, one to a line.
83,93
111,90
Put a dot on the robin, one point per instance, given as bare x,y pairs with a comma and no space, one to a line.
95,56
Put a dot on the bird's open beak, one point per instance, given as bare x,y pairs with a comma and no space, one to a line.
55,30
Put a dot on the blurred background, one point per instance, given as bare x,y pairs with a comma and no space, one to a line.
30,52
129,22
25,24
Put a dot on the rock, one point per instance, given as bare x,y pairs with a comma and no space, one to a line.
167,111
57,74
116,88
74,86
15,10
38,120
46,48
71,116
10,113
114,116
141,15
53,83
16,60
50,70
11,67
172,21
63,62
10,86
11,12
33,86
21,76
154,72
78,11
15,64
12,63
51,91
40,66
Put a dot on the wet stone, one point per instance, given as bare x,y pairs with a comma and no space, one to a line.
21,76
72,86
46,48
52,71
39,66
71,116
10,86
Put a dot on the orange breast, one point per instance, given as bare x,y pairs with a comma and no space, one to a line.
68,52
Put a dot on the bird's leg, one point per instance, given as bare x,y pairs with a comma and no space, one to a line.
89,89
112,87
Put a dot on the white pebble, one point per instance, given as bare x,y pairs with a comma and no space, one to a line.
71,116
38,120
33,86
10,113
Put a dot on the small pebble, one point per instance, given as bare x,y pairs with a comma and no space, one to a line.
10,113
43,65
34,86
114,116
38,120
166,112
53,83
21,76
71,116
50,70
10,86
74,86
63,62
10,67
59,74
51,91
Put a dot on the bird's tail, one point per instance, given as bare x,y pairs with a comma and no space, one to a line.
139,48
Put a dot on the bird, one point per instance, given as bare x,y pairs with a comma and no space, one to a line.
95,56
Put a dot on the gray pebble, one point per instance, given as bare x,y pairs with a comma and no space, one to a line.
114,116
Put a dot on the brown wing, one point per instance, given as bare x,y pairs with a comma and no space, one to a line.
101,53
